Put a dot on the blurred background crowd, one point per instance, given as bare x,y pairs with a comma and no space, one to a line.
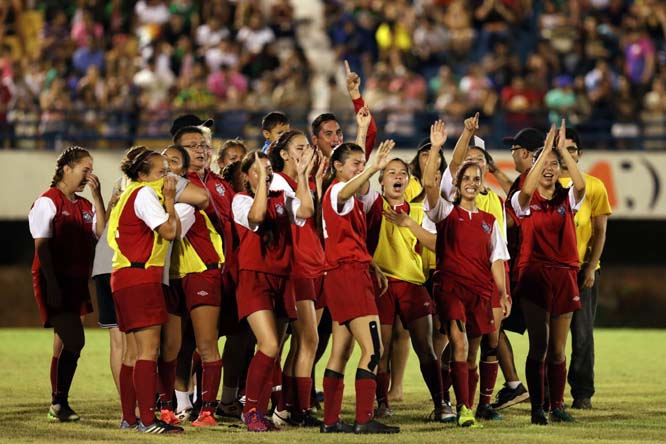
106,73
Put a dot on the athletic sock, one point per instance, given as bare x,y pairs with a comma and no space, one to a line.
534,375
513,384
286,395
366,385
383,380
432,375
229,394
472,381
66,368
334,385
210,382
557,380
144,386
459,375
446,376
127,394
54,375
488,377
276,387
258,374
303,387
183,401
166,372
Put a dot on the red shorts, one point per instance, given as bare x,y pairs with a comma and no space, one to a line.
306,289
320,303
229,322
457,303
140,306
262,291
407,300
203,288
554,289
349,292
75,297
175,298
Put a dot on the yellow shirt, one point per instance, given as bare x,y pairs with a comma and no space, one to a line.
595,204
491,203
413,189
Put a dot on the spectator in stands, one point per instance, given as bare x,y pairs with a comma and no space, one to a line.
560,100
211,33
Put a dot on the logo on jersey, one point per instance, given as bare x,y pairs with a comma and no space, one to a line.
486,227
535,208
202,293
576,298
87,216
220,189
280,209
66,213
561,210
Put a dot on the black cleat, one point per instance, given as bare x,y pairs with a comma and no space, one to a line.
582,404
507,396
305,419
338,427
560,415
539,417
487,412
373,426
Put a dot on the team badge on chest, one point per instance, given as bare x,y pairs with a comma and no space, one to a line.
87,216
279,208
486,227
561,210
220,189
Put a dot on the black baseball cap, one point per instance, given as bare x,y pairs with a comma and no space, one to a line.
188,120
529,138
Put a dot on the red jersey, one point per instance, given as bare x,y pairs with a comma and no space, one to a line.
344,231
548,233
309,260
268,247
72,235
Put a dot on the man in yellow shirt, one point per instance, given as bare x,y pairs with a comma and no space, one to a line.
590,223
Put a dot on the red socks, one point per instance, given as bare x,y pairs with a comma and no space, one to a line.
472,381
488,372
259,375
557,380
127,394
167,374
144,386
432,375
383,381
459,375
366,385
534,376
276,387
211,374
303,387
334,386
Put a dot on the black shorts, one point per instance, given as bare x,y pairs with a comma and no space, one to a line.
106,307
515,322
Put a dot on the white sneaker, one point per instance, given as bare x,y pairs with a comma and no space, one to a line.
184,415
281,418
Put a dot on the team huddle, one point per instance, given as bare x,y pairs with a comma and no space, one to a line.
293,241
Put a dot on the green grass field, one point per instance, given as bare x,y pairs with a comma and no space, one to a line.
630,405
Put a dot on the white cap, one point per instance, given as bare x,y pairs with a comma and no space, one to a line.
478,142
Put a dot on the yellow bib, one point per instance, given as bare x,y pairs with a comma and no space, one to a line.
491,203
184,257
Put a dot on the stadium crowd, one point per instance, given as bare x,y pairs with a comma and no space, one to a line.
120,70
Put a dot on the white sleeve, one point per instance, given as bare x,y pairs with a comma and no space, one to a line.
575,206
348,205
148,208
185,213
279,183
446,185
368,199
520,212
293,203
440,211
428,225
41,217
498,246
181,183
240,206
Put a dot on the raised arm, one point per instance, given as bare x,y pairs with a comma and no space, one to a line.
304,168
438,135
363,119
504,181
576,176
259,206
98,202
532,179
360,181
354,89
462,145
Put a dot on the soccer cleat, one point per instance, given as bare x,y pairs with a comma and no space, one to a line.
305,419
539,417
184,415
281,418
487,412
507,396
205,419
560,415
465,417
124,425
232,410
446,413
373,426
62,412
169,417
158,427
255,421
383,411
338,427
582,404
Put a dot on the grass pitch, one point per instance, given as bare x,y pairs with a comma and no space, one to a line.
630,404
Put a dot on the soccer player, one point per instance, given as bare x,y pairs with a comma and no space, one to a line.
470,265
64,226
139,231
547,266
263,219
231,151
348,287
273,125
590,222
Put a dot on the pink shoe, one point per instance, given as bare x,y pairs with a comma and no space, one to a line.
169,417
255,421
205,419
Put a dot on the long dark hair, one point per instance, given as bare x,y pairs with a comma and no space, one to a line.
136,161
415,167
281,144
339,154
70,157
460,174
247,163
